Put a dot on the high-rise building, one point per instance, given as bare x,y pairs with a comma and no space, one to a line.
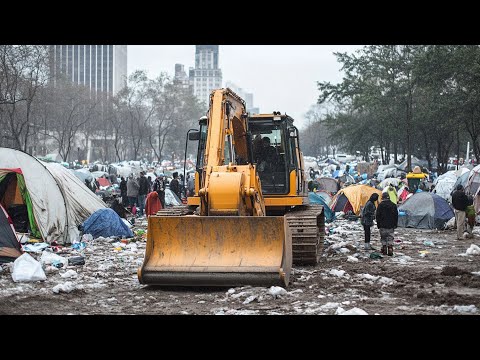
206,76
181,75
101,68
247,96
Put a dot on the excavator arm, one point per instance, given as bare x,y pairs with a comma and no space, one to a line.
232,242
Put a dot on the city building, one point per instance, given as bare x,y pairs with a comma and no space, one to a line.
206,76
181,76
101,68
247,96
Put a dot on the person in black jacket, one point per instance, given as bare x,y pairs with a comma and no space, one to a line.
142,192
460,203
175,186
387,221
368,214
123,191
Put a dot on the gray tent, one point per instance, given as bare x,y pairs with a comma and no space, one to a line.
424,210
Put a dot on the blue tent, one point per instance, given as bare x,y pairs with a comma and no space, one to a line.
424,210
106,222
317,199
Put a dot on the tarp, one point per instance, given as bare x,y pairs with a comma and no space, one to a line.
424,210
9,245
60,201
387,181
315,198
326,197
327,184
357,196
106,223
473,182
444,184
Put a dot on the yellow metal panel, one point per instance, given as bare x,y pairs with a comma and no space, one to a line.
293,183
193,201
180,245
284,201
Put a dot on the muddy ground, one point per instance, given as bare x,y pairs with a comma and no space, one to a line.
418,279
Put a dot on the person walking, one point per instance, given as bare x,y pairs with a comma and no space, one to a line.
132,191
175,186
387,221
460,203
123,191
368,214
159,187
142,192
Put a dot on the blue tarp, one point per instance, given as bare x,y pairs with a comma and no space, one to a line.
317,199
106,222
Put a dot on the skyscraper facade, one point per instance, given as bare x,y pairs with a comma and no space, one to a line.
100,68
206,76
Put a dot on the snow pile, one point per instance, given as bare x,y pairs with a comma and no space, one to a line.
465,308
473,250
69,274
277,291
353,311
338,273
352,259
65,287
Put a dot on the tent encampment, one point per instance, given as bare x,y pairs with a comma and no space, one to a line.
9,245
424,210
353,197
54,201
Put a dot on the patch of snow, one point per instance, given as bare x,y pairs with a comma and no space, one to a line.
476,273
338,273
339,311
69,274
249,299
277,291
386,280
368,277
473,250
344,250
65,287
354,311
465,308
352,259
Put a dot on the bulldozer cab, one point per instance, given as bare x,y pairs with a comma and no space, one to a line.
273,151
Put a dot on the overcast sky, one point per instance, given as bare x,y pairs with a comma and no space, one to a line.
281,77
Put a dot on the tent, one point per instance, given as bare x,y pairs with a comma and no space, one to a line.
461,180
54,200
473,182
353,197
424,210
444,184
106,223
327,184
327,198
315,198
9,245
387,181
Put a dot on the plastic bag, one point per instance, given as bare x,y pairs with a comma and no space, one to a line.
49,258
26,268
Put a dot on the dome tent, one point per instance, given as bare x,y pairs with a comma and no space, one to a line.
56,201
353,197
424,210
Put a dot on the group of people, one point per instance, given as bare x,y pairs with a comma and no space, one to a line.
145,196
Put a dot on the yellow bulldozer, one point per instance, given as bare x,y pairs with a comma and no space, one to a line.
249,218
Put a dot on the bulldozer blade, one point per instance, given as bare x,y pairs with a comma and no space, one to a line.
217,251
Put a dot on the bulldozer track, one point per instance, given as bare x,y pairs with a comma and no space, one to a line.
307,224
174,211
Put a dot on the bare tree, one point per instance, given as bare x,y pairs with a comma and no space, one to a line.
23,70
72,108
